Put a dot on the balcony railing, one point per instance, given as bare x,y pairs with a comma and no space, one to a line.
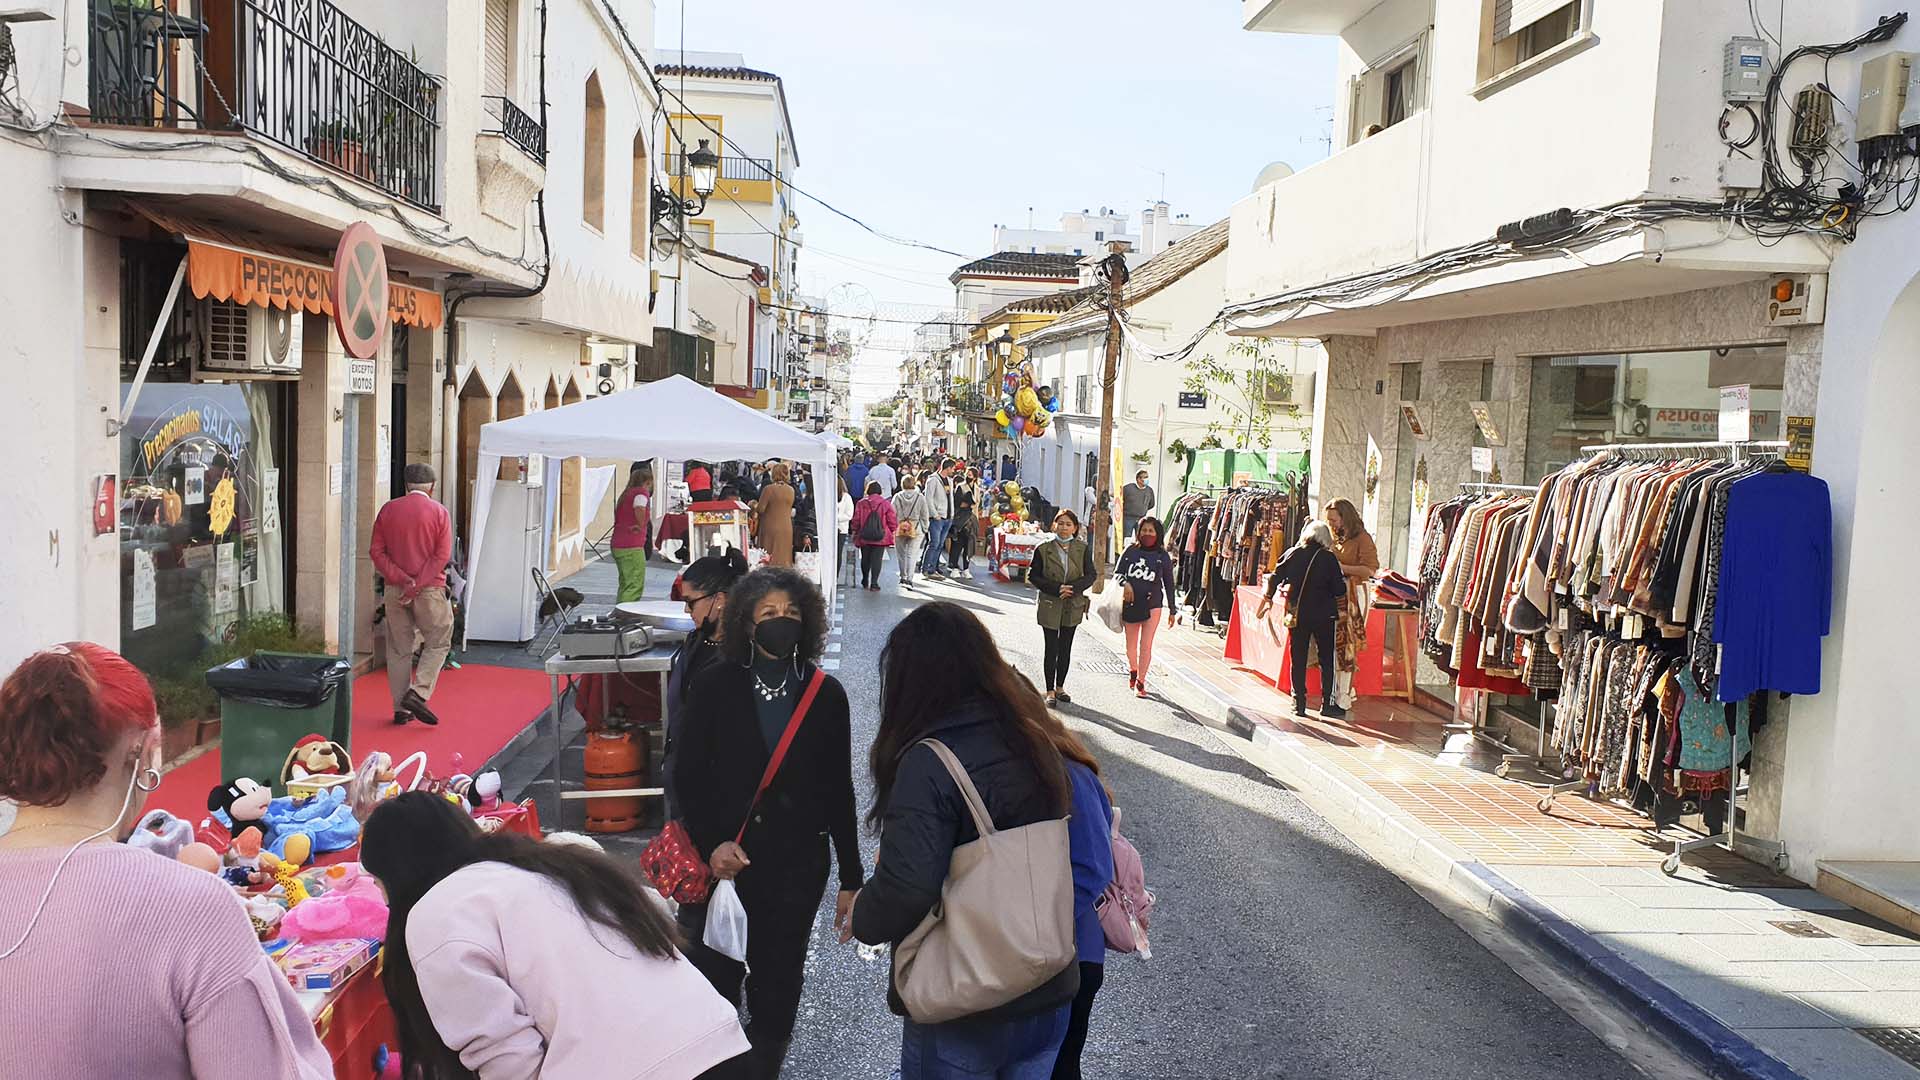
298,73
504,118
731,168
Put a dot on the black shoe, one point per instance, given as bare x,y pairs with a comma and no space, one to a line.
417,705
401,716
1299,706
1331,711
1065,698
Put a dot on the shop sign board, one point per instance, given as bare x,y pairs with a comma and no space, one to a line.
1799,453
1483,419
1736,409
360,314
1411,411
1483,459
1700,423
360,377
1193,399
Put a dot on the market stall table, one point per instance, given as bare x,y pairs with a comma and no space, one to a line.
1009,551
1384,668
353,1020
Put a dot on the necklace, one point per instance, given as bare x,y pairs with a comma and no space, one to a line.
769,693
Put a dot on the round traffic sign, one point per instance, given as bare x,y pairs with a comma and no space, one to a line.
360,312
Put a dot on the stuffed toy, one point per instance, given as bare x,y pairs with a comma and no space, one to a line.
243,803
316,826
200,855
286,878
161,833
315,755
485,793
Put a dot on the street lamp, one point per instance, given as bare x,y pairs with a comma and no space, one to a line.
1004,346
703,170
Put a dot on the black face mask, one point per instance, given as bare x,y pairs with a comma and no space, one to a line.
778,636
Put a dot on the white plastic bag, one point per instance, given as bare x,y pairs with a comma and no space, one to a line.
726,931
1107,606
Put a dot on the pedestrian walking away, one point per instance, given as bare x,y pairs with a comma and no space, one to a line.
1063,573
412,544
884,474
1311,574
632,526
1359,561
773,518
80,746
874,526
774,632
509,956
1146,575
1136,502
939,492
914,514
944,680
1090,834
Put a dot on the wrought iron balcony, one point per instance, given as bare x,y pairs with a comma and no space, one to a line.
505,118
297,73
731,168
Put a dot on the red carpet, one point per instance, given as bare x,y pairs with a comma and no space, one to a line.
480,708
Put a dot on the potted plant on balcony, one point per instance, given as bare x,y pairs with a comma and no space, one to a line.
337,142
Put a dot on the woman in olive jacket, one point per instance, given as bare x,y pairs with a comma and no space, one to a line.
944,679
1063,572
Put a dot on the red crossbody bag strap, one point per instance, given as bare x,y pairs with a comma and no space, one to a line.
780,751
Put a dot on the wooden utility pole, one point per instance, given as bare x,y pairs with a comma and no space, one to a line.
1113,270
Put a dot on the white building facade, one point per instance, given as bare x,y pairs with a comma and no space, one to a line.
1434,307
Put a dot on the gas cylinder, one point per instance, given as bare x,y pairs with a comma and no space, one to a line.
614,759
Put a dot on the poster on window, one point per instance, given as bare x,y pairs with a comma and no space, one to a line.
226,580
270,502
195,491
145,591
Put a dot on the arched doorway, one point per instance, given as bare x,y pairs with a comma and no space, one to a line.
509,403
476,408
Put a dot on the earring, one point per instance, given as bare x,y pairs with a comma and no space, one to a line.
147,779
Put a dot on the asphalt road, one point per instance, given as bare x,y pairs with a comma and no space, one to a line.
1280,949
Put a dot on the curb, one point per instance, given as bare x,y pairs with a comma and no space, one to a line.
1713,1045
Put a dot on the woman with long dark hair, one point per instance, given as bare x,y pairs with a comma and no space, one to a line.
1146,575
506,956
703,589
942,678
1063,572
773,634
1359,561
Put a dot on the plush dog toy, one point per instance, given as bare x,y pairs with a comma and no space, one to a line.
315,755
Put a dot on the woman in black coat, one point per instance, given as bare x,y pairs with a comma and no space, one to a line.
774,631
1311,572
944,679
703,589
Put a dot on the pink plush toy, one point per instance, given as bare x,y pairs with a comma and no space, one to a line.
338,914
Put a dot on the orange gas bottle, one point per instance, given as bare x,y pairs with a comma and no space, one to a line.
614,759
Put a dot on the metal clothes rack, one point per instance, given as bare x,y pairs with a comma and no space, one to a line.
1509,753
1730,839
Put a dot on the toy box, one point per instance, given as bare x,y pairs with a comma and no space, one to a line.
324,965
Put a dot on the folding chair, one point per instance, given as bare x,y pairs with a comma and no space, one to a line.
552,610
600,547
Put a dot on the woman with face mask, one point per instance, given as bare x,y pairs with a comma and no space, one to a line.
173,986
774,848
703,589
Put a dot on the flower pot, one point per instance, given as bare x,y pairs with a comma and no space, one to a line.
177,740
347,155
207,731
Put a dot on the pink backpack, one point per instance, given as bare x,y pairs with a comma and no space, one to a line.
1126,909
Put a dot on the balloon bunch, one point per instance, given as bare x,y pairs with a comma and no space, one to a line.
1025,408
1008,504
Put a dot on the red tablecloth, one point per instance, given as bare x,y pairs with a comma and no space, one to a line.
1260,646
672,527
1007,552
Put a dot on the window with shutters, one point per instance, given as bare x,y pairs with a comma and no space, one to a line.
1390,90
642,212
500,26
1519,31
593,160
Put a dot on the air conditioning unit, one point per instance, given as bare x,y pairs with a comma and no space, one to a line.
249,341
1278,389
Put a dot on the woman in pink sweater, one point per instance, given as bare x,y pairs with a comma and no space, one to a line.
116,961
511,958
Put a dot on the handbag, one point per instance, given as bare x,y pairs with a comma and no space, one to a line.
672,861
1292,618
1004,923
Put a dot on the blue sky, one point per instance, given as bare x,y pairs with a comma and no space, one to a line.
936,121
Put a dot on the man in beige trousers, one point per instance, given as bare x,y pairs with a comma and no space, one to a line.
412,543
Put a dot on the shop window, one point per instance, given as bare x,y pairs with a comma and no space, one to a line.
593,192
1520,30
1083,394
1645,397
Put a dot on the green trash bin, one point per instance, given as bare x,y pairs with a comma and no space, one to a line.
269,701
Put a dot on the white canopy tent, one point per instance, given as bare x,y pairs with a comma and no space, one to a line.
672,419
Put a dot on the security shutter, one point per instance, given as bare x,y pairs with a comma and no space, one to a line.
499,44
1512,16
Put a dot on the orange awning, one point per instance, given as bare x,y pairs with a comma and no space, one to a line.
228,267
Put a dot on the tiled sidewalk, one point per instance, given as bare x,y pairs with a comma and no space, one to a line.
1765,976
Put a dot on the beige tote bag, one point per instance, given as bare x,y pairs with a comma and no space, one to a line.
1004,923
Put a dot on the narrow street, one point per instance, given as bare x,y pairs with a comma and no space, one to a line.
1280,949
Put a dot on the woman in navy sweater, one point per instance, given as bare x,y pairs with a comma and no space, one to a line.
1147,574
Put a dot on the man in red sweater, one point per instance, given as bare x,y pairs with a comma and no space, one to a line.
412,543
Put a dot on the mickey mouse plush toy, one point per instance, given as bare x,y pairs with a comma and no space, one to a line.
245,803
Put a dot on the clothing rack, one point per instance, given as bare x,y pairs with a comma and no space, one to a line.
1508,753
1527,488
1730,839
